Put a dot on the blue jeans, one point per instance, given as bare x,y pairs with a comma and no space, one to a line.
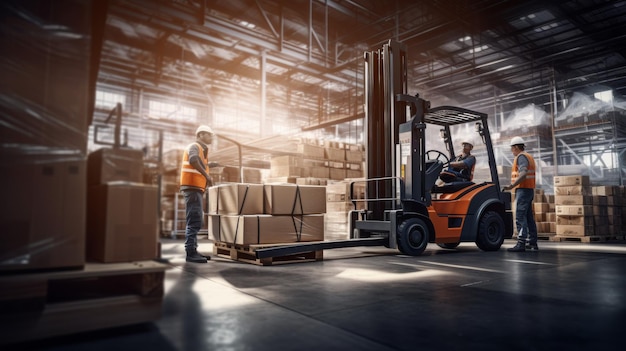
524,217
193,213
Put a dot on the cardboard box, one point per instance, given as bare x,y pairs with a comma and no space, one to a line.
337,174
294,199
574,230
541,207
266,229
574,220
600,210
109,165
286,171
355,156
235,199
43,222
335,154
603,190
122,222
600,200
316,172
577,210
310,151
573,190
571,180
573,200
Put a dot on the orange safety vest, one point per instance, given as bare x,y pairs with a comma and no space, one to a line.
189,176
529,181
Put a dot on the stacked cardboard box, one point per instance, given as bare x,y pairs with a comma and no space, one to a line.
339,204
122,217
245,214
574,206
545,213
44,122
609,208
323,160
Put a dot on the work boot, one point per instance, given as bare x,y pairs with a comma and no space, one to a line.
532,247
195,257
519,247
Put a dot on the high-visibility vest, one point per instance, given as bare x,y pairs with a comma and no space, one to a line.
189,176
529,181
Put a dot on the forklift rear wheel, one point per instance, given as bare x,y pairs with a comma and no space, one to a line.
413,236
490,234
448,245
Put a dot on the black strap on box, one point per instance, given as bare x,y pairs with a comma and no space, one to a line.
293,215
243,202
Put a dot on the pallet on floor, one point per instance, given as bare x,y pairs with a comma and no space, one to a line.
100,295
585,239
247,253
545,236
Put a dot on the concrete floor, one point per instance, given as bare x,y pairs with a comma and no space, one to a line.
569,296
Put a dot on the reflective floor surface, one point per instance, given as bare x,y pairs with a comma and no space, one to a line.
569,296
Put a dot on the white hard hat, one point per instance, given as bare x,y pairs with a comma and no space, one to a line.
467,141
204,128
517,141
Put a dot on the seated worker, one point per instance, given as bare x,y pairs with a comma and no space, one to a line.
462,167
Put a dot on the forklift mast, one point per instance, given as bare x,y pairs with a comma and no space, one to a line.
385,77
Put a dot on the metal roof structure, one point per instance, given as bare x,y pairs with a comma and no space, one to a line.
302,60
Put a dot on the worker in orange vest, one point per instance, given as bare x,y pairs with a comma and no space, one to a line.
194,179
523,181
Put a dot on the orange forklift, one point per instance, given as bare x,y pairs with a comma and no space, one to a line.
402,206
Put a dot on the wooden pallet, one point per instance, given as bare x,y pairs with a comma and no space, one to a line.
586,239
545,236
101,295
247,253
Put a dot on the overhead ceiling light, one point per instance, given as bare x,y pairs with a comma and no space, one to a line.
546,27
478,49
247,24
465,38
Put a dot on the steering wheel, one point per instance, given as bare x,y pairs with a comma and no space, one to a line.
439,155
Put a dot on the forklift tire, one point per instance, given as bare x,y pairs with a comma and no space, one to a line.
491,230
412,236
448,245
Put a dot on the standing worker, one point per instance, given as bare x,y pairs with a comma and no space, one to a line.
194,179
523,181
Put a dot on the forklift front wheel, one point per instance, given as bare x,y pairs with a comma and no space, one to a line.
490,234
412,236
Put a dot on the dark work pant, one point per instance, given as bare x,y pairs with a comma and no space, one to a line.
524,217
193,212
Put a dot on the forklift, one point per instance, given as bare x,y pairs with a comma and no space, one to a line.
403,207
